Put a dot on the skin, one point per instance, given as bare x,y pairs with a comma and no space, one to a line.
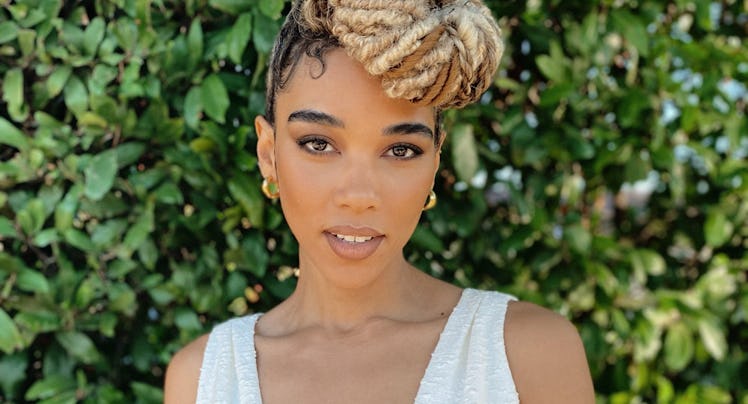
362,330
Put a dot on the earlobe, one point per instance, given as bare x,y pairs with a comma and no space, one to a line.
265,146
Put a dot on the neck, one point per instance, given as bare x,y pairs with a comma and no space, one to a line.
341,306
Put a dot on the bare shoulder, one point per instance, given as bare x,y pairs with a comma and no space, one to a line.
546,356
183,372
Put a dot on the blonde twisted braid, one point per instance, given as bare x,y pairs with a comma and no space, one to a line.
437,53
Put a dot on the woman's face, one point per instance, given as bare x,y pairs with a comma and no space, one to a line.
353,167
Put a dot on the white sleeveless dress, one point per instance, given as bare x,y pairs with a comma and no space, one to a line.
468,365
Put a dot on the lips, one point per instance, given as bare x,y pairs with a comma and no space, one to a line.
353,243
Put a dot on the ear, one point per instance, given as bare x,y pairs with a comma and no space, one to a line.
265,147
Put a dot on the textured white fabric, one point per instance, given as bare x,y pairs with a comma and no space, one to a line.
468,365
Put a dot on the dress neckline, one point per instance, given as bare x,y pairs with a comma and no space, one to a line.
439,350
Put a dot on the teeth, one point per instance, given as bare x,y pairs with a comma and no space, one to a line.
353,239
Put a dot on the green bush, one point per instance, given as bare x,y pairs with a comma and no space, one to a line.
603,176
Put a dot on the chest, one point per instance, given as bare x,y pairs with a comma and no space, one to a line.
376,368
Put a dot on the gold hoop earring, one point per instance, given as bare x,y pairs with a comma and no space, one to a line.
430,201
266,189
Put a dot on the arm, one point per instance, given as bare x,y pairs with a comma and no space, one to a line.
546,356
183,373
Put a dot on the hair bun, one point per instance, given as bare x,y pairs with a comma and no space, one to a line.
442,53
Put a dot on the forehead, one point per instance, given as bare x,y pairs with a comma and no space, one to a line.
341,87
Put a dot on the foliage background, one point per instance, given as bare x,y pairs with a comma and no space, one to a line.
603,176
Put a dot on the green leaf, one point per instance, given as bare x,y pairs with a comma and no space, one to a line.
107,233
632,28
717,229
195,42
9,263
713,338
187,319
648,262
632,108
425,238
66,209
550,68
193,107
8,31
140,230
147,394
100,174
12,136
238,38
126,32
215,98
168,193
13,94
579,239
78,239
6,228
39,321
464,152
13,368
256,254
67,397
248,196
263,32
122,299
86,292
26,40
57,80
33,281
636,169
10,338
79,345
202,144
272,8
93,35
32,217
232,6
129,153
148,253
90,119
76,96
556,92
679,347
46,237
50,386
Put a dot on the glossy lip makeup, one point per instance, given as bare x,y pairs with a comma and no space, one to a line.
353,243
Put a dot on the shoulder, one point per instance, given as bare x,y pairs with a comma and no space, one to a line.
546,356
183,373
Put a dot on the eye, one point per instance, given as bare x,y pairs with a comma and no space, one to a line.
404,151
315,145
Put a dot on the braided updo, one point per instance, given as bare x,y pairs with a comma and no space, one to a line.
440,53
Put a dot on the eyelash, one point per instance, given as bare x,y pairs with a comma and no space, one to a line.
307,144
413,149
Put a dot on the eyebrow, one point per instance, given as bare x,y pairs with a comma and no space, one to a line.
408,129
312,116
319,117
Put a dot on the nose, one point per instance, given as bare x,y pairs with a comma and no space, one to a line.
358,188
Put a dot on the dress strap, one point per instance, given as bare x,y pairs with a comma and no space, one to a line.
229,370
469,363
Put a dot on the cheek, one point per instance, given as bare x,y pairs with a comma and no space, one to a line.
302,182
404,196
407,188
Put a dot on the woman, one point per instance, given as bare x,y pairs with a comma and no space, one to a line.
350,144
